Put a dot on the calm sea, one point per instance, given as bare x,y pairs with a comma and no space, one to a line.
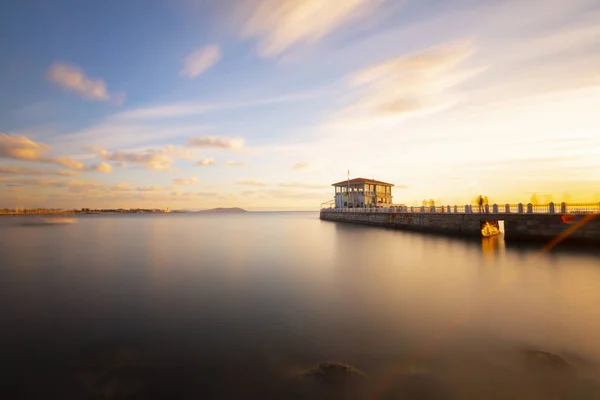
182,306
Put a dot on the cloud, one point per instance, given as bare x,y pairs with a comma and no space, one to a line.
281,24
74,79
216,142
175,110
201,60
251,182
236,164
29,181
79,185
120,187
152,159
67,173
103,167
293,194
149,189
412,84
185,181
191,108
18,170
205,162
22,148
301,185
300,166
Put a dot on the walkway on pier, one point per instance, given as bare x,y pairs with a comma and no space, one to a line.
518,209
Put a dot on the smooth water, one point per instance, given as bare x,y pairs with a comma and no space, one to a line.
238,305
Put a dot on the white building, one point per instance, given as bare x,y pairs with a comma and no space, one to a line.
361,192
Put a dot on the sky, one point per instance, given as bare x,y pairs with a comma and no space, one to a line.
263,104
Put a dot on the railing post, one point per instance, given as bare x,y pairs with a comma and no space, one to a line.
507,208
422,209
495,208
486,208
520,208
529,208
412,209
551,207
455,209
563,208
432,209
448,209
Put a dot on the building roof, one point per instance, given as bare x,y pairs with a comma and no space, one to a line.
362,180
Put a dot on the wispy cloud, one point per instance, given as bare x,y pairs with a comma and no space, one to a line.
281,24
174,110
22,148
302,185
201,60
217,142
412,84
205,162
149,189
185,181
120,187
190,108
67,173
73,78
300,166
251,182
19,170
236,163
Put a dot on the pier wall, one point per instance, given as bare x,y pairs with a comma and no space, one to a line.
516,226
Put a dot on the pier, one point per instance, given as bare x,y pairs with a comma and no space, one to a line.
520,221
369,202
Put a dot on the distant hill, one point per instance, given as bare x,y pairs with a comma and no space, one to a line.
224,210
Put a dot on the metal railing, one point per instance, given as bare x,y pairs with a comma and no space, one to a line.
550,208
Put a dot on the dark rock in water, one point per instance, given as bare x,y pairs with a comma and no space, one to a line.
332,373
330,381
545,359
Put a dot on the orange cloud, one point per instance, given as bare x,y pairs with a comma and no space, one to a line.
153,159
67,173
20,147
104,168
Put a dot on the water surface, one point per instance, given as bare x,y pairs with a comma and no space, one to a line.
237,305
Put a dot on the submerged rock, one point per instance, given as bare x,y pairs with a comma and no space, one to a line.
330,381
544,358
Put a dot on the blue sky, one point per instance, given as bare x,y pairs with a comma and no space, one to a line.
263,104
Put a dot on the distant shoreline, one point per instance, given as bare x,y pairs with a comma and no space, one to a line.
87,211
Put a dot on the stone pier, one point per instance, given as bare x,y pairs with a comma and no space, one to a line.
544,227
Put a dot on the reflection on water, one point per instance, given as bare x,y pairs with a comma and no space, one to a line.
253,305
493,246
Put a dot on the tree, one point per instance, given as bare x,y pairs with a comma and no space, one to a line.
431,202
